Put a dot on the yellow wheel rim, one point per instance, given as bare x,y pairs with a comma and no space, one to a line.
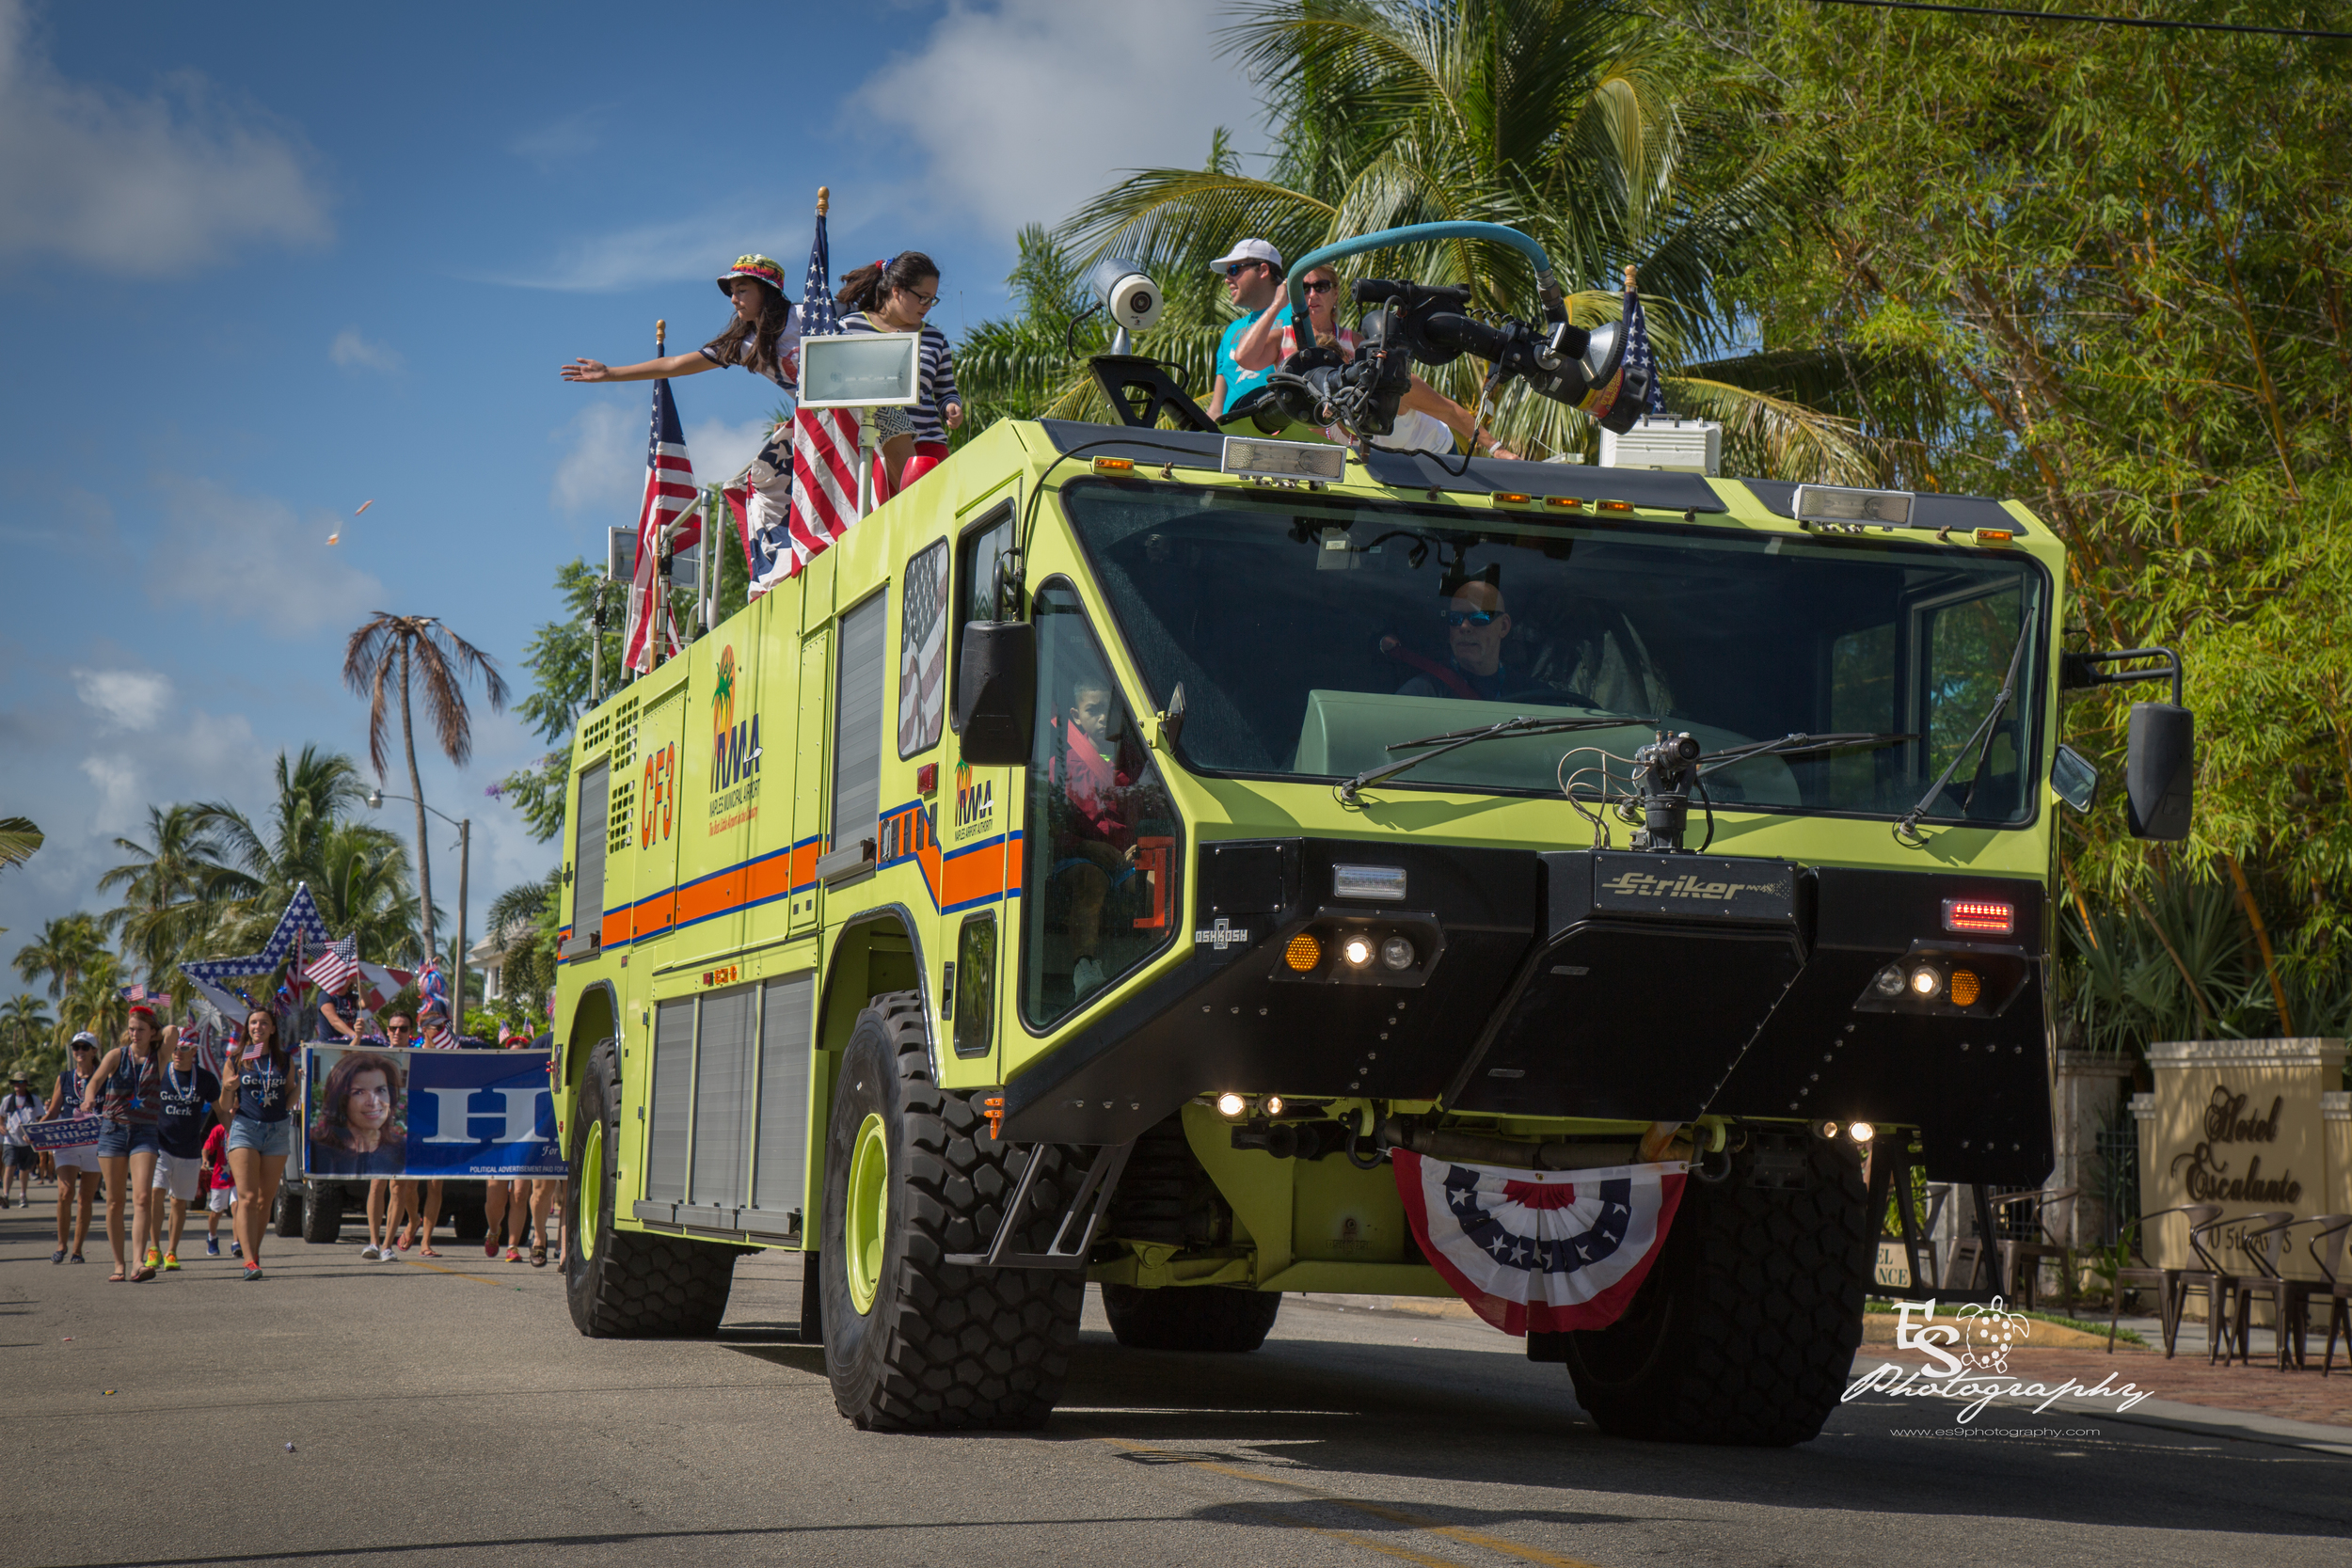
868,1211
589,1211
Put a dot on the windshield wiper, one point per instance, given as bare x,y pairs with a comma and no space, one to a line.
1453,740
1799,745
1907,825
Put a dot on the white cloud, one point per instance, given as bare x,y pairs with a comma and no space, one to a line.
124,699
250,557
697,246
604,470
574,135
1025,109
350,349
141,186
208,756
720,450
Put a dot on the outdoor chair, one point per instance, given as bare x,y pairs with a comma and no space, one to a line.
2021,1257
2326,1247
2238,1289
2171,1284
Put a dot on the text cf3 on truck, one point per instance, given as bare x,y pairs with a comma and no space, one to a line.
1123,851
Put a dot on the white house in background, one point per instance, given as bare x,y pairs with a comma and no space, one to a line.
491,953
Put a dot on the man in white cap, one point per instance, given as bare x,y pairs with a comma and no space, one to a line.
1253,271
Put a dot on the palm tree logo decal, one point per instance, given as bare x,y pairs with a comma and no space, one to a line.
723,695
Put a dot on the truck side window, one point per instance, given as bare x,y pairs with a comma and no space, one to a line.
923,650
975,985
1099,893
974,599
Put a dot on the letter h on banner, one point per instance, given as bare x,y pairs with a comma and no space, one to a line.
517,1111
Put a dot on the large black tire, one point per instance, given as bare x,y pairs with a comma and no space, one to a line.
938,1347
290,1209
323,1215
1745,1331
1193,1317
627,1285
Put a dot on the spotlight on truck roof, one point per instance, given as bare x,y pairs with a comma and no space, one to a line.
1860,1131
1231,1104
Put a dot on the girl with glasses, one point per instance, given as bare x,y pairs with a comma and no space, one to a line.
895,294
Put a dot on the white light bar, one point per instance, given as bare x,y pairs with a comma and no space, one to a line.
861,370
1384,882
1831,503
1309,460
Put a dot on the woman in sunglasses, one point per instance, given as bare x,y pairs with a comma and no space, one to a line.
1426,419
895,295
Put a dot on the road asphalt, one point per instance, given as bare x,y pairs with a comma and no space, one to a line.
444,1412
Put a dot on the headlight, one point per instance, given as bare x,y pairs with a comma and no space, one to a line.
1925,982
1397,953
1356,951
1889,982
1231,1104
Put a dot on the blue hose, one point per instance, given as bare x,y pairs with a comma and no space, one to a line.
1547,287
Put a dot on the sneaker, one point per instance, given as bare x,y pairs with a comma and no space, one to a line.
171,1260
154,1257
386,1255
236,1249
373,1253
514,1254
212,1246
1086,977
57,1257
252,1273
489,1246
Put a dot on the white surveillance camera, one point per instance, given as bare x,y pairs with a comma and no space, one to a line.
1130,296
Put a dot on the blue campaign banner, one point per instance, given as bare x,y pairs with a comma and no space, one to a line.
372,1111
70,1133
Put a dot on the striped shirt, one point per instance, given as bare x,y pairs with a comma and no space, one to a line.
938,380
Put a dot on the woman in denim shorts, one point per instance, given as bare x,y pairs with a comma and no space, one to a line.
125,1093
257,1096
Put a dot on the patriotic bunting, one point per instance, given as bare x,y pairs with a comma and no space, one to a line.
1540,1251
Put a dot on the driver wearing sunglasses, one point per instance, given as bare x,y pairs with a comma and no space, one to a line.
1476,625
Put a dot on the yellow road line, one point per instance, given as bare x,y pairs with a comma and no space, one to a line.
1378,1510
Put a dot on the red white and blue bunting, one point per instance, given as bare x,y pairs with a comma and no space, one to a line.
1542,1251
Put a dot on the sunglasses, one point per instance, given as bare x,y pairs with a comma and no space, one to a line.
1320,286
1233,269
1467,617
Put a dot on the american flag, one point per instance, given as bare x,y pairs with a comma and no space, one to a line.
1638,357
670,497
824,440
336,967
923,651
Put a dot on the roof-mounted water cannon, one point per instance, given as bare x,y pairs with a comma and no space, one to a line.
1126,294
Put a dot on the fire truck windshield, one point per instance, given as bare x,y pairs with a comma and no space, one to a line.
1311,634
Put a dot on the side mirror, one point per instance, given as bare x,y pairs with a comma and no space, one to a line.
997,692
2159,770
2074,778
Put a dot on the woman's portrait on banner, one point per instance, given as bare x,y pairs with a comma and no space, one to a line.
357,1116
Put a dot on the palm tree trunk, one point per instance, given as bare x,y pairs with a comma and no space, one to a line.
415,793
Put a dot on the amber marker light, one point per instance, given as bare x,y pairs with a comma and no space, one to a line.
1114,465
1303,952
1511,497
1967,988
1616,506
1565,503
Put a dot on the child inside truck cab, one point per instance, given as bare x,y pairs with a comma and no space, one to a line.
1099,851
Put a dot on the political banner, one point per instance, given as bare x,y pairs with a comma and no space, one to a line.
70,1133
372,1111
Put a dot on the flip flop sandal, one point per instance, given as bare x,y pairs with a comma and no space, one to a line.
427,1251
143,1276
77,1257
538,1257
57,1257
117,1278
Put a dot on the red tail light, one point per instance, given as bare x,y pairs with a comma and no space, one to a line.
1979,916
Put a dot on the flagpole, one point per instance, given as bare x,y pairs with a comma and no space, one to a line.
658,613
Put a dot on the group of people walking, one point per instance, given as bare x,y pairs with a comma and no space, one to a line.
172,1135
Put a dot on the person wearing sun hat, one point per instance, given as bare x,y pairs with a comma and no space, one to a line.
764,337
18,1110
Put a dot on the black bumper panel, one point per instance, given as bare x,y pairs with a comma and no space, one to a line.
1581,984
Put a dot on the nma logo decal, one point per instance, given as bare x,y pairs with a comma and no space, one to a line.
975,803
733,748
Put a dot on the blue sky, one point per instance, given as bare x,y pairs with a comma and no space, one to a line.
260,264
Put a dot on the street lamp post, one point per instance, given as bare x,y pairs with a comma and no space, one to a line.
464,857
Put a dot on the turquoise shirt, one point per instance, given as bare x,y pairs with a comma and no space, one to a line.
1238,381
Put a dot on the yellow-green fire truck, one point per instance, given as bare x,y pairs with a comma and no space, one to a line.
1101,858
